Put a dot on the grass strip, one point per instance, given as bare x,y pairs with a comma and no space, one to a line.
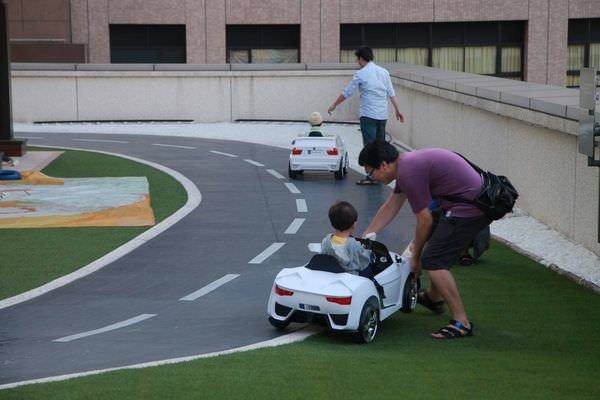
34,256
536,337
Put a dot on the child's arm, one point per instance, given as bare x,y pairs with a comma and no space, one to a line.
360,257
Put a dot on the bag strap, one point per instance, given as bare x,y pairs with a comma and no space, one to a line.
475,166
458,199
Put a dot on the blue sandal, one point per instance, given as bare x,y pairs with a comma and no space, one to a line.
453,330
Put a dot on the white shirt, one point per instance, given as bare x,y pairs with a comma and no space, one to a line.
375,86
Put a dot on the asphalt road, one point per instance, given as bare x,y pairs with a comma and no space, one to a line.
202,285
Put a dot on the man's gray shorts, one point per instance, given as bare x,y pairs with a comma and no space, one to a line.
451,236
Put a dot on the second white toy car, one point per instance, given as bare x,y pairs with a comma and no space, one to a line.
322,292
326,153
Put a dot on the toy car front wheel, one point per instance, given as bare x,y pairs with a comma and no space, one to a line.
278,324
410,293
369,322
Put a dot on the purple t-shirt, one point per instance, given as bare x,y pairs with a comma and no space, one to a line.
427,173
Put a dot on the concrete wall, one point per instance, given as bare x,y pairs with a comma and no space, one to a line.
524,130
201,95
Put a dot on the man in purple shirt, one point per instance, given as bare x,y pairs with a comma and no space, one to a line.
423,175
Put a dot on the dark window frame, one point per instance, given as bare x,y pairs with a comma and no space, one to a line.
162,43
584,37
263,38
462,29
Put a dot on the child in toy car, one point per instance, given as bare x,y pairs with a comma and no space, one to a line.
350,253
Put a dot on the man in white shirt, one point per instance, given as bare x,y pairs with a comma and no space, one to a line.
375,86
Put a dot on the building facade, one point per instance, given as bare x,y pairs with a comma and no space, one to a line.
542,41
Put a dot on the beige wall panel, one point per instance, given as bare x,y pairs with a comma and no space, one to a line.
438,122
537,42
584,9
297,101
480,10
99,41
79,22
154,97
557,39
263,12
330,31
549,159
402,131
310,32
44,98
585,212
146,11
215,32
379,11
195,20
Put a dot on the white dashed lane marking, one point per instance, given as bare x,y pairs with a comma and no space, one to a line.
301,205
174,146
118,325
291,187
223,154
209,288
275,174
255,163
100,140
269,251
294,226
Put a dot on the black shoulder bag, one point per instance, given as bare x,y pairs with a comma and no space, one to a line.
497,198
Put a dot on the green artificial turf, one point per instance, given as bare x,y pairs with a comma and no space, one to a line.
34,256
536,337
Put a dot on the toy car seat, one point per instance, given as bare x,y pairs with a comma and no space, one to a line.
325,262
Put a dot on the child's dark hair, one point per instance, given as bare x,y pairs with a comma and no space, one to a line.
342,215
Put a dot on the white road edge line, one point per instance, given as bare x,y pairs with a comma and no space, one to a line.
291,187
222,154
100,140
173,145
301,205
266,253
194,199
294,226
275,174
255,163
292,337
112,327
209,288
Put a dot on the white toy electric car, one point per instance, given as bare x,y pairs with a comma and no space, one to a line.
318,153
321,292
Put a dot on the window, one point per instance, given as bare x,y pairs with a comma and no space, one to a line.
147,44
584,48
490,48
263,44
